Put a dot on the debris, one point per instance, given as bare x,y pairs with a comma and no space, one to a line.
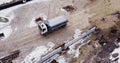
69,8
61,59
77,33
8,58
92,0
54,61
36,55
38,19
108,38
117,14
2,19
115,55
2,36
7,31
103,19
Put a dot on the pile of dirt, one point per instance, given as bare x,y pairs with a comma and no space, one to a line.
38,19
69,8
109,42
107,35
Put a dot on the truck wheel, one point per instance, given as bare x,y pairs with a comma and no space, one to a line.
64,25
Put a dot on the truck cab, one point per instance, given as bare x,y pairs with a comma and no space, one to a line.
43,28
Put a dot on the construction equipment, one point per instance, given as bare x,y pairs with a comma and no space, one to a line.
51,25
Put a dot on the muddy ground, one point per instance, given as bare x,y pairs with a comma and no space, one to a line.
26,38
107,38
87,13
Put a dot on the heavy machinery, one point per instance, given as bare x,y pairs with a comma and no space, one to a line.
49,26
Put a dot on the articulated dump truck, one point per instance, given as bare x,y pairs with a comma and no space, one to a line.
49,26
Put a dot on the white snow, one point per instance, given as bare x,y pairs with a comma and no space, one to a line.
16,29
5,1
117,50
74,52
9,10
7,31
33,23
36,55
61,59
50,45
5,27
77,33
9,16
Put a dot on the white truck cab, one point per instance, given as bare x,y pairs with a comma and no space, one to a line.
43,28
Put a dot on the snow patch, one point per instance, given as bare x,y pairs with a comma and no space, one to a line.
33,23
7,31
10,17
117,50
74,52
61,59
77,33
50,45
36,55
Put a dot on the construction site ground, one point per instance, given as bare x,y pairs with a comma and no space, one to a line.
86,14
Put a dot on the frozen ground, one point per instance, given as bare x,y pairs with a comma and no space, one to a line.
24,33
36,55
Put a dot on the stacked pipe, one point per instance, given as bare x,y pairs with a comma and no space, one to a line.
66,45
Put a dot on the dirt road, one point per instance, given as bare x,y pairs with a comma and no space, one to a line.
25,34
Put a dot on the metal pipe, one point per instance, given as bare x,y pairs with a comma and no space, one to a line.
60,49
48,56
81,37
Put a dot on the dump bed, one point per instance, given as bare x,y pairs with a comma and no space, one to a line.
56,21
